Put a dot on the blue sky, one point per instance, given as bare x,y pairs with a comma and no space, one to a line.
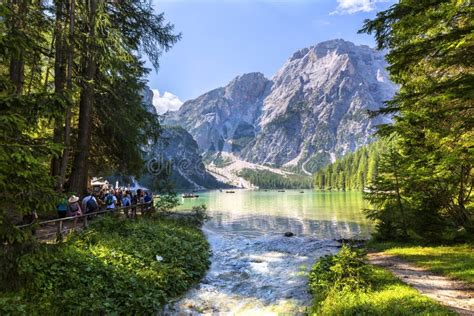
222,39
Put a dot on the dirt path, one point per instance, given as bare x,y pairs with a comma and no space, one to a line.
456,295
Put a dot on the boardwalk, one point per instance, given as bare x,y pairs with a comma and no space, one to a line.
54,230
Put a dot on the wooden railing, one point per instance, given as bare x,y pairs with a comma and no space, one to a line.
129,211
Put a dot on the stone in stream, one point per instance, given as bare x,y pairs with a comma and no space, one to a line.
289,234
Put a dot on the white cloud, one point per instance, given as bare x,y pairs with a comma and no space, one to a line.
354,6
165,102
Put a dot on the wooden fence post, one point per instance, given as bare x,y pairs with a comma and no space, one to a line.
60,231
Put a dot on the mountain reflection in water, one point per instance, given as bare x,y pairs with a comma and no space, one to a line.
324,215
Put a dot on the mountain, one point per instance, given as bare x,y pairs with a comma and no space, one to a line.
175,151
178,152
147,100
224,119
317,107
313,110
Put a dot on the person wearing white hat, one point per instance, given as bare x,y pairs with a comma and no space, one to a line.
74,208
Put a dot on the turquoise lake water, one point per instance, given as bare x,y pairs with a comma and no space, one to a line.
259,212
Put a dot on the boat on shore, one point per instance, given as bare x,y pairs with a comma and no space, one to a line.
229,191
189,196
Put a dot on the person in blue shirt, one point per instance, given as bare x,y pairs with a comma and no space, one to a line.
61,207
126,202
110,200
148,199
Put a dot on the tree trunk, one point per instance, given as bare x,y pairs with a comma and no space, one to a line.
17,63
79,174
399,197
59,83
67,128
17,69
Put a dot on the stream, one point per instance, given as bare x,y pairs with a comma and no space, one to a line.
255,269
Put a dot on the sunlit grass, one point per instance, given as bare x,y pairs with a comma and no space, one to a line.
454,261
365,290
388,296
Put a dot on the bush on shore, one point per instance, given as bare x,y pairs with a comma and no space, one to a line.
116,266
344,284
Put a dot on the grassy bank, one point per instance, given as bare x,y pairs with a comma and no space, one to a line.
344,284
114,267
455,261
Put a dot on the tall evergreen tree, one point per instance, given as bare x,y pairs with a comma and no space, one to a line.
431,48
385,194
71,77
116,34
354,171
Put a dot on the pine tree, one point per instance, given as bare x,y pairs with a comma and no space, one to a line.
71,77
385,194
430,47
353,171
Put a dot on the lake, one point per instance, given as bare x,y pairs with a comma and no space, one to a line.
255,269
312,213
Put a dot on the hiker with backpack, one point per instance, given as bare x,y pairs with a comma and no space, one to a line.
74,209
61,207
110,201
119,196
89,204
148,199
126,202
135,202
141,200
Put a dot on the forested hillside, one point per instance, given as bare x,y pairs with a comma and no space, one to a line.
354,171
265,179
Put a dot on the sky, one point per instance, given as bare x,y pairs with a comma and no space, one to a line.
222,39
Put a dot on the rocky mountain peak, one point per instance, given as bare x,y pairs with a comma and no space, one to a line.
317,71
224,119
178,148
246,88
313,110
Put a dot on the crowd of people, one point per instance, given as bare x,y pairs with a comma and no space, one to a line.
106,199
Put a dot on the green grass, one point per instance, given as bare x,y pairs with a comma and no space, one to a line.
111,268
345,285
453,261
386,296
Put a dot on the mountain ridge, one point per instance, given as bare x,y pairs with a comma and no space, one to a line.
313,110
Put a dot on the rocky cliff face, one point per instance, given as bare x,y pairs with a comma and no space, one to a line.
176,153
317,107
147,97
225,119
313,110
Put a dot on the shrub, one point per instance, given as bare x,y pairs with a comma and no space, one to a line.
346,270
115,267
344,284
167,202
200,212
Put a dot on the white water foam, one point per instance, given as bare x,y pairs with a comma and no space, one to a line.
265,275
